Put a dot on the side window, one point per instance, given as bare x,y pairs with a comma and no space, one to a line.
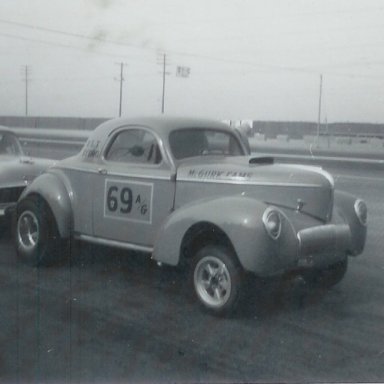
223,143
134,146
194,142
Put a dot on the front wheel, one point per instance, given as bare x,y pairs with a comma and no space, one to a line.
36,237
217,279
329,276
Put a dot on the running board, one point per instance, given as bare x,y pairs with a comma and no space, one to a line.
113,243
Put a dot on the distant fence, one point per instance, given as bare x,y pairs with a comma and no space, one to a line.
270,129
76,123
297,129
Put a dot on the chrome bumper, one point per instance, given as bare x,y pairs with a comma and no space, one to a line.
323,245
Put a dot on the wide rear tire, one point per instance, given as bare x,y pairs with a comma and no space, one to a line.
36,236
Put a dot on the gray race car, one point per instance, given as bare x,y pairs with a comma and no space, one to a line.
187,192
16,171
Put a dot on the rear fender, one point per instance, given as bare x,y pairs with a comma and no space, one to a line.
52,189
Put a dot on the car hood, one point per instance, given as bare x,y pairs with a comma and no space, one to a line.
298,187
19,171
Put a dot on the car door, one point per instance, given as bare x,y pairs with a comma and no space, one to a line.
134,189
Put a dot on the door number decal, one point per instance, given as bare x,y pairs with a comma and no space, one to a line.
128,200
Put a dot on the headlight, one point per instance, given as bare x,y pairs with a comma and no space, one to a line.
272,223
361,211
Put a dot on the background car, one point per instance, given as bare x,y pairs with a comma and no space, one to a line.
16,171
187,192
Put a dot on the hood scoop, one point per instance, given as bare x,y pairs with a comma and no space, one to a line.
265,160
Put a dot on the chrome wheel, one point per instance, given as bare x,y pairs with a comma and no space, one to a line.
36,236
212,281
28,231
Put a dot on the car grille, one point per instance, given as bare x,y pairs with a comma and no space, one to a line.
10,195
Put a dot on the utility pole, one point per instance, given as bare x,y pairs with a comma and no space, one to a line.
26,72
121,79
164,64
319,113
164,73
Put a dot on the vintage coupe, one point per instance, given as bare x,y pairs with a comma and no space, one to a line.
187,192
16,171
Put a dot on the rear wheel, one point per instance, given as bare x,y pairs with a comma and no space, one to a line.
217,279
36,236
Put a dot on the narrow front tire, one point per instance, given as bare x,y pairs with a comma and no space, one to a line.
329,276
217,279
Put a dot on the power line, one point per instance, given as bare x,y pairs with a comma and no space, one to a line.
176,52
82,49
74,35
262,16
64,33
136,46
189,54
273,32
260,67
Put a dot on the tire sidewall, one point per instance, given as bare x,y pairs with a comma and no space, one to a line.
38,254
235,273
327,277
334,274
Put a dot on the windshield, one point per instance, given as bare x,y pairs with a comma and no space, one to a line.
202,142
9,144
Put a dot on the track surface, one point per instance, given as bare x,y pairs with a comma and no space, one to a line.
110,316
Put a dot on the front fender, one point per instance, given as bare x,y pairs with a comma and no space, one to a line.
240,218
344,204
52,189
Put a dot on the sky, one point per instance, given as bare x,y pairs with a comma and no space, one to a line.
244,59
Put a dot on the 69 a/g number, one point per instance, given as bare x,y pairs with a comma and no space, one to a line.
128,201
125,199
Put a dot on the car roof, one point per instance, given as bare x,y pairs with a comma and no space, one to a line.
163,125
